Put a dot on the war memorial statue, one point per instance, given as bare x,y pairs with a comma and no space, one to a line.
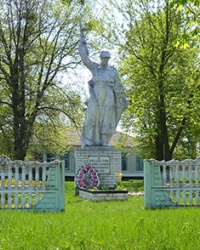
107,99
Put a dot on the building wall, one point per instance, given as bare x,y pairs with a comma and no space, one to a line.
132,166
134,169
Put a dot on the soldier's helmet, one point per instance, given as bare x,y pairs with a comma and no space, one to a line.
105,53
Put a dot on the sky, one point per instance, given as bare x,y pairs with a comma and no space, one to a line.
82,73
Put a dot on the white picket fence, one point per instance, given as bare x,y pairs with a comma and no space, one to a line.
182,181
179,181
23,185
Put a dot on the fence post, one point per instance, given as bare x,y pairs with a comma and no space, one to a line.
53,199
61,181
148,191
154,190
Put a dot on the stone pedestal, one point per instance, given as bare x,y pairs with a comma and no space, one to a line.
103,195
105,160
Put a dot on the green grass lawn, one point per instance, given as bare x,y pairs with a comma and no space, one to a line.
101,225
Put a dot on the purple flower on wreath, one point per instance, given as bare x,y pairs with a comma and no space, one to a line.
87,177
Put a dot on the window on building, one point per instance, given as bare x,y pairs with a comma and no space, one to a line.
139,164
124,161
50,157
66,159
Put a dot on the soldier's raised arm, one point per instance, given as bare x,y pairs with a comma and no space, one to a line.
83,50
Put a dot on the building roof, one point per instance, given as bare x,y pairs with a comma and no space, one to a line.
119,139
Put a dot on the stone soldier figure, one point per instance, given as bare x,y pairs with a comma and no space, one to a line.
107,98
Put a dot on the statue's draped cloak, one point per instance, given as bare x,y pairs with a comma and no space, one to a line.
106,103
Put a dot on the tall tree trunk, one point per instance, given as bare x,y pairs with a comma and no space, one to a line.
162,109
159,147
19,126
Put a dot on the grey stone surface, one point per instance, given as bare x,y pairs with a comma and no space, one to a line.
82,156
95,196
107,99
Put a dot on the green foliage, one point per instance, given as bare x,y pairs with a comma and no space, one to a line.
37,44
68,2
101,225
158,43
192,17
133,186
103,187
161,77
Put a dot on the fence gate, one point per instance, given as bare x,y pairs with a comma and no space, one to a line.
31,185
172,183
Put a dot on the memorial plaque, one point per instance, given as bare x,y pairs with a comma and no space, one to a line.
100,163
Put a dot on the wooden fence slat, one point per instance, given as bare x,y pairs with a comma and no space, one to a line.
3,179
164,174
16,199
36,197
171,183
36,176
9,200
23,176
16,177
29,199
2,200
196,175
183,184
30,176
43,175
